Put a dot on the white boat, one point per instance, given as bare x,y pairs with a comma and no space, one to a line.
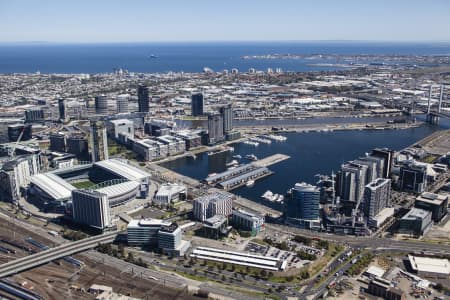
237,156
261,140
252,143
251,157
232,163
267,195
250,183
278,138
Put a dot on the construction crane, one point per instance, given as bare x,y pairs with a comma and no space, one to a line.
13,151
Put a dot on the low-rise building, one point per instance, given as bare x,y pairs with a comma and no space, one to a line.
215,227
437,204
430,267
416,222
382,288
169,193
144,232
247,221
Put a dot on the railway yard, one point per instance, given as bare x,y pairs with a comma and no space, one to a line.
61,279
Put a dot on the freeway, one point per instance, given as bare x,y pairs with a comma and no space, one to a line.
365,242
43,257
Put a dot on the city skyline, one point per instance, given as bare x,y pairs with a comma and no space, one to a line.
151,21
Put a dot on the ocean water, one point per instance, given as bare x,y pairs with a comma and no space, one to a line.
187,57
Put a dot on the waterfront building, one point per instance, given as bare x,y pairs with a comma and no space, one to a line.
378,172
376,197
215,129
169,193
191,139
303,206
197,104
15,175
143,99
34,115
149,150
388,156
91,208
101,105
14,131
99,141
144,232
371,173
122,103
352,180
175,145
57,142
413,177
436,203
247,221
227,116
219,203
121,126
416,222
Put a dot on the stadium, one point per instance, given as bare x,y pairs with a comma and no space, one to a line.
119,180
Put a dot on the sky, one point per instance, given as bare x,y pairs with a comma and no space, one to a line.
225,20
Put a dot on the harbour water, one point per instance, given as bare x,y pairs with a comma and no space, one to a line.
311,153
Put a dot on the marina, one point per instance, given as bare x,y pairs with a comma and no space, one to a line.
246,174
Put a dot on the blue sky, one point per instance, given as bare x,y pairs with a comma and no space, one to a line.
206,20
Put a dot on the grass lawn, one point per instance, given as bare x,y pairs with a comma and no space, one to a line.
83,184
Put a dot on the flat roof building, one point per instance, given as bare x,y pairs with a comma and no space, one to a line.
417,221
144,232
169,193
430,267
239,258
436,203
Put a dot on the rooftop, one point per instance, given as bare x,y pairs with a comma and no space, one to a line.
169,189
148,223
417,213
428,264
432,198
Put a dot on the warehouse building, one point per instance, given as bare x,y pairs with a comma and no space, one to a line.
430,267
239,258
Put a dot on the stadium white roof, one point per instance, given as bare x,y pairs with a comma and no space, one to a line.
53,185
123,169
119,189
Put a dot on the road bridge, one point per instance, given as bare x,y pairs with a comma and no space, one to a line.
43,257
